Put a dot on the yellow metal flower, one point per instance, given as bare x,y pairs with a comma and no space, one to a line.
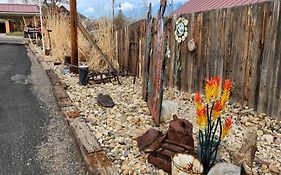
208,90
212,88
226,127
201,117
216,87
226,91
198,101
218,107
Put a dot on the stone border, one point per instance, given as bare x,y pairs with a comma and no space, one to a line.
95,159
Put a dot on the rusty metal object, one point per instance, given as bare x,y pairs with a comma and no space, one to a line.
105,100
150,141
180,131
162,148
162,157
105,77
157,68
148,40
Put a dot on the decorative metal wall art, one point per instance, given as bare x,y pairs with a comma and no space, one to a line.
157,68
180,35
191,45
181,29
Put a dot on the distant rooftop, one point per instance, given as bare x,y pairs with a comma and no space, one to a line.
203,5
18,9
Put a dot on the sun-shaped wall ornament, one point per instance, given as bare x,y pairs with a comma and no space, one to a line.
181,29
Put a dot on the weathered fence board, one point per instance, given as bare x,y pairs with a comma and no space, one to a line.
276,101
241,43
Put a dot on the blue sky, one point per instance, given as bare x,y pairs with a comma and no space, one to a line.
130,8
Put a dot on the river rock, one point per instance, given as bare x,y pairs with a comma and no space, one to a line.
130,118
273,168
225,169
247,151
168,109
268,138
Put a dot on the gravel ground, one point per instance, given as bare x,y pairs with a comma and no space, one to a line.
117,128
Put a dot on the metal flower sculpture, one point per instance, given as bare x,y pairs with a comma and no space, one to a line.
181,29
208,117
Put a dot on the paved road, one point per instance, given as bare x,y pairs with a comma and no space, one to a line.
34,138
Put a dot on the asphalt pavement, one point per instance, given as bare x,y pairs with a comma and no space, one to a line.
34,138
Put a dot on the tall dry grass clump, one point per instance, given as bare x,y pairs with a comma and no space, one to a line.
60,40
104,37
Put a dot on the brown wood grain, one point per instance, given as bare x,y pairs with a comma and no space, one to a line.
190,55
276,100
272,62
268,54
238,43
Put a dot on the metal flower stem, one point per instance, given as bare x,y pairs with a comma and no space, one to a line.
217,146
178,65
207,144
201,139
210,128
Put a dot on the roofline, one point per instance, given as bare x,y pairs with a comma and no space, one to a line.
11,13
18,13
19,4
177,11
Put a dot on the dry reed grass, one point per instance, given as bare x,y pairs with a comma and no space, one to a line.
60,41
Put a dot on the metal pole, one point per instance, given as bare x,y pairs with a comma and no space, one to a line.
42,27
73,28
172,4
173,54
35,28
113,2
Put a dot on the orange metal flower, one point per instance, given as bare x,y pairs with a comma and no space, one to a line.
217,109
216,86
201,117
226,91
212,88
227,126
198,100
208,89
227,84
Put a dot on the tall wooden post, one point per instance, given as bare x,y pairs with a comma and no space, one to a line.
42,27
7,25
74,44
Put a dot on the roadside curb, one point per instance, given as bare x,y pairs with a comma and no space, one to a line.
95,159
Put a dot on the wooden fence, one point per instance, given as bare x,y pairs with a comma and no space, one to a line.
241,43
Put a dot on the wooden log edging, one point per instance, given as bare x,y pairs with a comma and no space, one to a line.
94,157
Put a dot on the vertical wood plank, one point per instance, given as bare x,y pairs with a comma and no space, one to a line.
202,72
276,99
268,53
173,54
273,61
198,22
190,55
